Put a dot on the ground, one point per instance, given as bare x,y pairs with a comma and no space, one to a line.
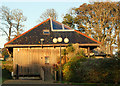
27,82
49,83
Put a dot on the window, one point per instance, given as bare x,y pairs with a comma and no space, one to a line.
46,60
46,32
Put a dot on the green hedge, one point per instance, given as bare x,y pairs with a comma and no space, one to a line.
92,70
7,68
8,65
6,75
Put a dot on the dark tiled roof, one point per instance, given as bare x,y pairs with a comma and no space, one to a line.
34,35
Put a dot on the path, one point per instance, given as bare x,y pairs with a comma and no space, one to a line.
27,82
31,83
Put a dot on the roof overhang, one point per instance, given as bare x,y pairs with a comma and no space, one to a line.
47,45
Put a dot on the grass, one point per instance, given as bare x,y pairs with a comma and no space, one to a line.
89,84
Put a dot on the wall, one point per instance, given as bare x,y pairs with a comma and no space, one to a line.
31,59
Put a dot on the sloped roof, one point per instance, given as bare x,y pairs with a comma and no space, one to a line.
56,29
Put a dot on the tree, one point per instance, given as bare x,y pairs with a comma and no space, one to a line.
11,21
118,30
117,54
72,51
99,20
7,21
18,19
68,19
49,13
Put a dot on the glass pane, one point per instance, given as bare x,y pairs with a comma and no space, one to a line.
46,59
46,32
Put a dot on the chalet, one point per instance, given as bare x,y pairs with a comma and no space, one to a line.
35,51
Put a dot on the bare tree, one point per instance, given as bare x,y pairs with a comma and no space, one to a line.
18,19
11,21
49,13
6,19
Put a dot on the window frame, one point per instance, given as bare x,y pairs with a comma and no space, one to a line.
46,32
47,60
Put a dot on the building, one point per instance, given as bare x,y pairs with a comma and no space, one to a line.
36,50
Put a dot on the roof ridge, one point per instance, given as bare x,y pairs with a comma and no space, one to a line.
26,31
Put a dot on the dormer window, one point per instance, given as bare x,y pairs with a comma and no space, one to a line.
46,32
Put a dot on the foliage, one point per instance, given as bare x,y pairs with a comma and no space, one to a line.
92,70
7,65
72,51
48,13
55,67
90,84
11,21
118,54
6,74
71,67
99,20
5,52
68,20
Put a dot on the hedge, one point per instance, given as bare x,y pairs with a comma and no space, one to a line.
92,70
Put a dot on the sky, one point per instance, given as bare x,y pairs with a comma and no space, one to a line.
32,9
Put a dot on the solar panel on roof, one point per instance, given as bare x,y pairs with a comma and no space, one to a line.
56,26
59,26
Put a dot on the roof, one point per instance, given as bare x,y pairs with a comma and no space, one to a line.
56,30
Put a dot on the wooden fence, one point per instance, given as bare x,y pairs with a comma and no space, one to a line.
29,71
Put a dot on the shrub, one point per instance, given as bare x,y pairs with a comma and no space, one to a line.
6,74
92,70
71,68
8,65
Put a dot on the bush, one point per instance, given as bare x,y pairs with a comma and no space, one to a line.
8,65
118,54
92,70
71,68
6,74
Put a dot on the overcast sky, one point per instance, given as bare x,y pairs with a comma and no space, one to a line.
32,9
